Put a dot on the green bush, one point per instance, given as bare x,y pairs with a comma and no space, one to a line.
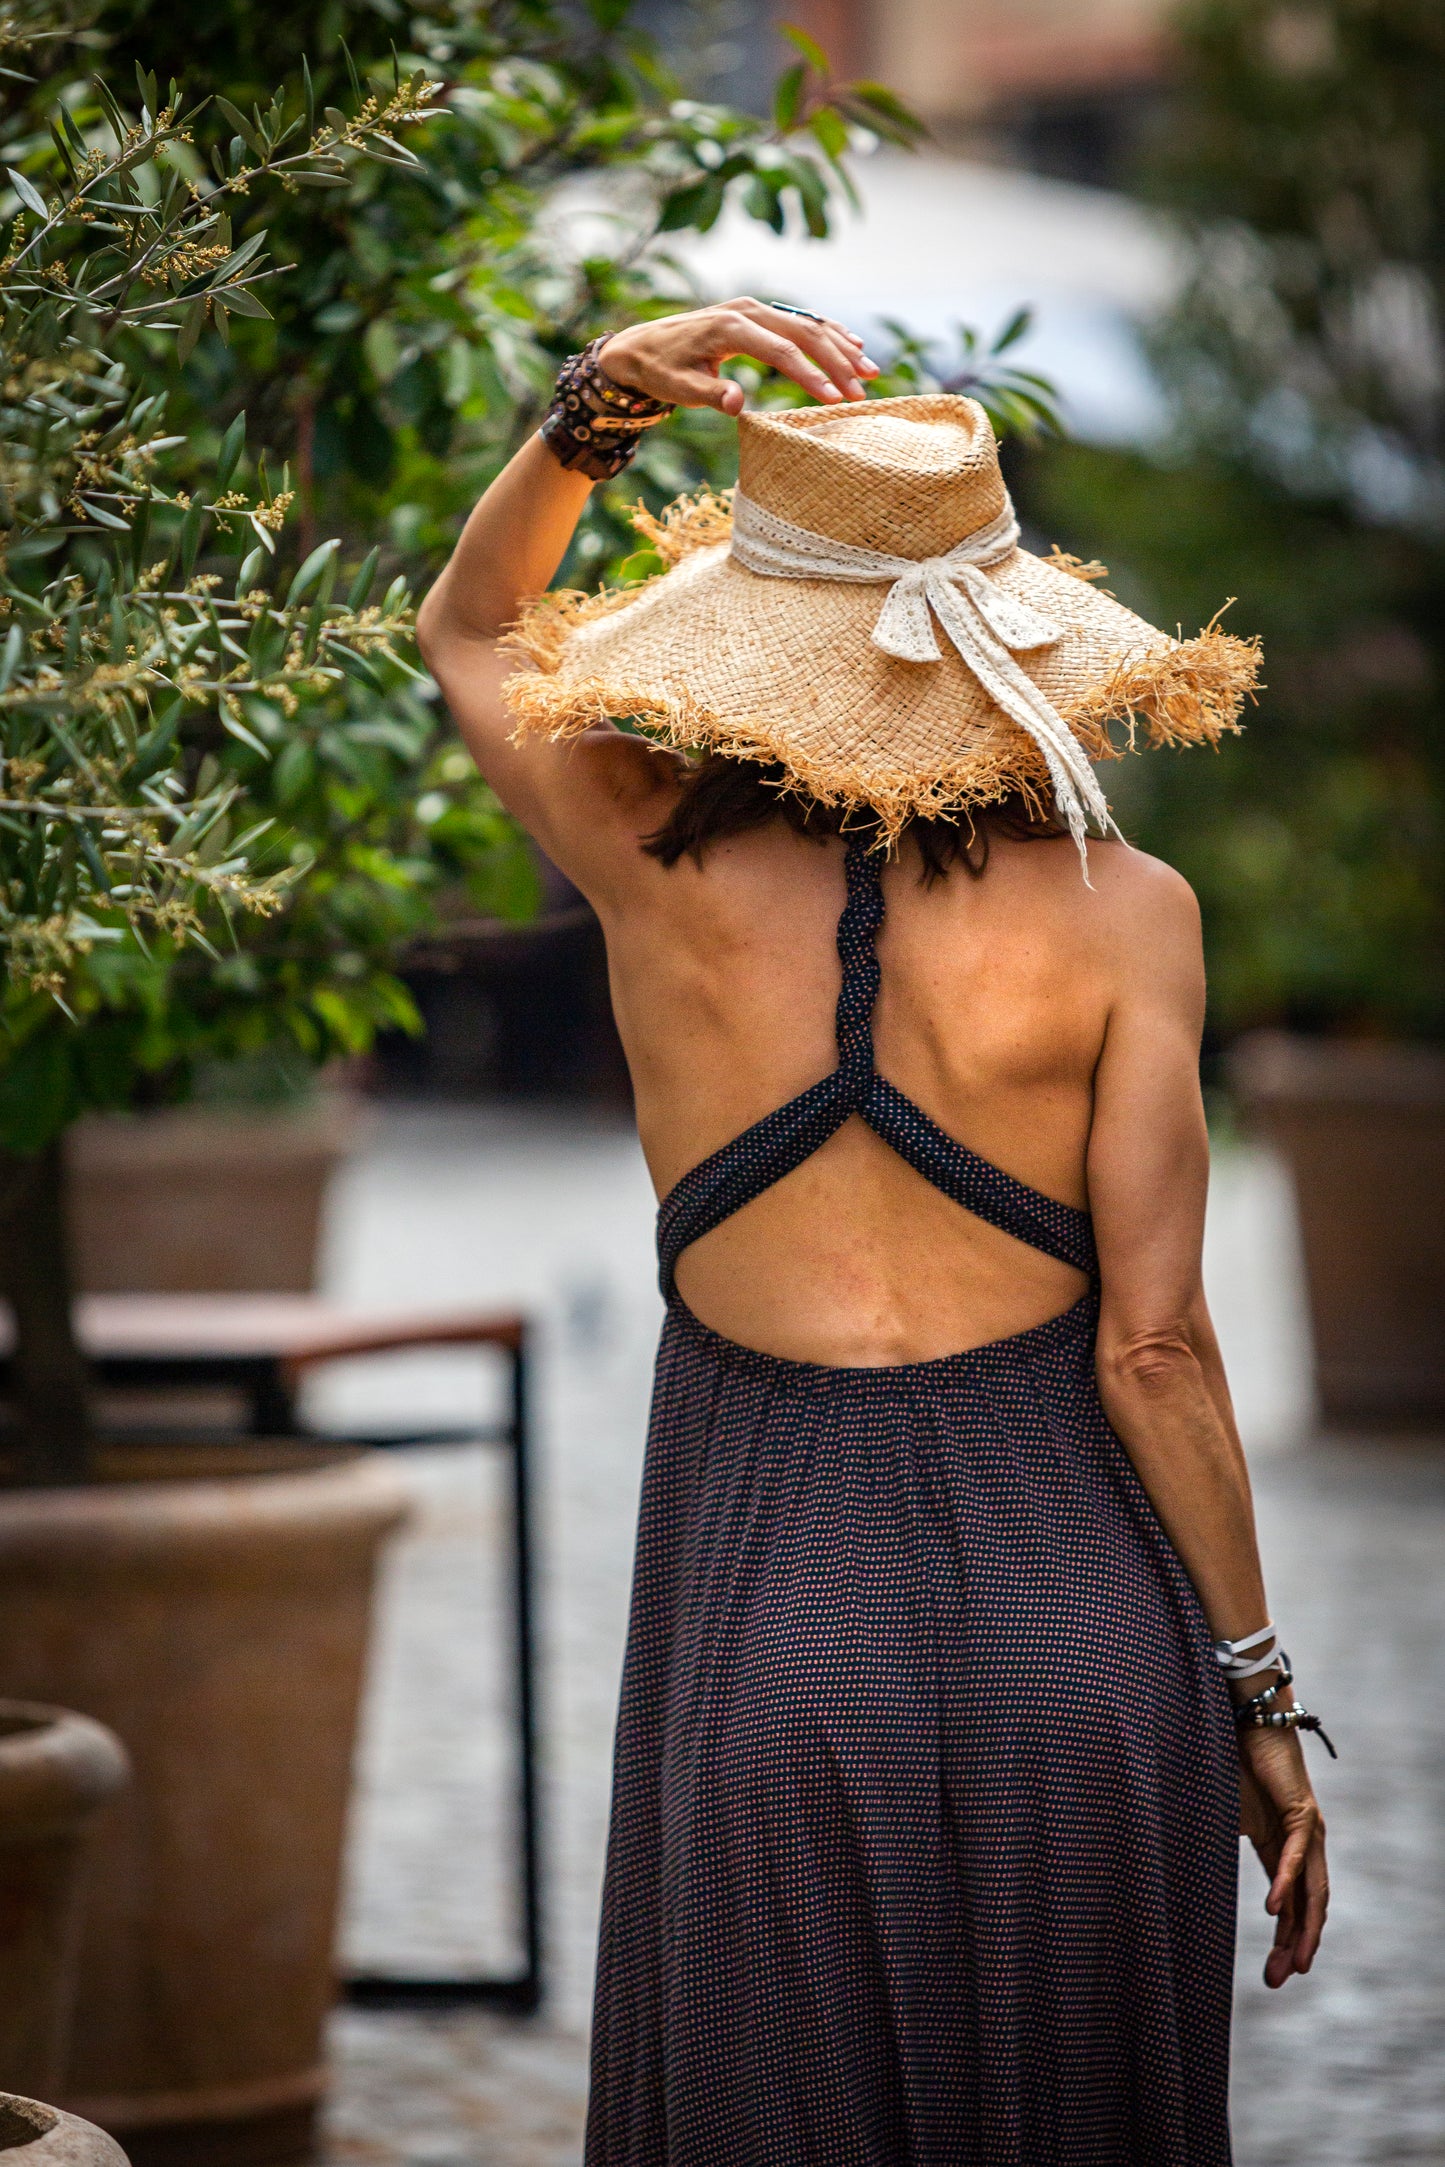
1305,473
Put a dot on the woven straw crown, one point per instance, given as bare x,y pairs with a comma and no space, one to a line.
710,655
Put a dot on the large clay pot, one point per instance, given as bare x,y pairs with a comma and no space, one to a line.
189,1201
34,2135
56,1768
1362,1129
212,1606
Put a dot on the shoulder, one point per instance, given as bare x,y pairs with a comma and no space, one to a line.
1148,918
1142,892
590,801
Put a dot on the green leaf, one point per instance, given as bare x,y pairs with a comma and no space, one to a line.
28,193
242,126
294,772
810,49
830,131
251,568
356,665
308,91
311,571
762,201
92,857
788,96
105,518
875,106
1013,330
154,750
241,301
191,538
10,659
192,325
237,729
696,206
233,443
62,151
362,584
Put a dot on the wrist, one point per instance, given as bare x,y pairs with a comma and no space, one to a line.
595,420
1244,1690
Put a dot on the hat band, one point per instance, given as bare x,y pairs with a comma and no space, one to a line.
982,622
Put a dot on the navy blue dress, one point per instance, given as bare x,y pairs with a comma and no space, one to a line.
925,1811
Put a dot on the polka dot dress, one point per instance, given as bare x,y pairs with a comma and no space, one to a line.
924,1819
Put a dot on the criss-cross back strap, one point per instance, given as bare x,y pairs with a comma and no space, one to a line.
721,1184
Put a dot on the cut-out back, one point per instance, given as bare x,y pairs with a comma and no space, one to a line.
731,1177
925,1823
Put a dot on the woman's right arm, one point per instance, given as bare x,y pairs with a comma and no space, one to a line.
1160,1375
580,799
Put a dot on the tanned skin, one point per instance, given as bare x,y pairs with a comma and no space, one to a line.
1051,1026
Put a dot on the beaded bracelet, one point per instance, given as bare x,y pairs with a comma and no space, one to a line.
593,424
1257,1714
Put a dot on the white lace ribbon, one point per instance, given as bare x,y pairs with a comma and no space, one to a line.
983,623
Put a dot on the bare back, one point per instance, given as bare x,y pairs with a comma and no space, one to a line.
995,998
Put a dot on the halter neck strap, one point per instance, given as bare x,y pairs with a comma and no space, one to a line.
723,1183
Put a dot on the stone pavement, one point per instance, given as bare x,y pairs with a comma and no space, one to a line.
550,1210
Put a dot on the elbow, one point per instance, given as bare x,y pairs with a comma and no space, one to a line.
1149,1363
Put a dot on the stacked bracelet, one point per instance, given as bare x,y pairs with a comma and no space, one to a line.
593,424
1260,1713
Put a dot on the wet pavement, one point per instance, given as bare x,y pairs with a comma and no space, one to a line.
551,1211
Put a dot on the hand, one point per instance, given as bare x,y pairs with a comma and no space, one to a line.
1279,1813
677,358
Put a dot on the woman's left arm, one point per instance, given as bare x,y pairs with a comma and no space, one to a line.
1161,1379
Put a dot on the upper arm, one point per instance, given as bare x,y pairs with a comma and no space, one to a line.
587,800
1148,1163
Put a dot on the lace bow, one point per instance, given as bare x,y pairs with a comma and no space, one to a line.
983,623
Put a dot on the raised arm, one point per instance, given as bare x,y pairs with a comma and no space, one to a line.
1161,1378
585,799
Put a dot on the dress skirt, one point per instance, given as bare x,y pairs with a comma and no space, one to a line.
925,1810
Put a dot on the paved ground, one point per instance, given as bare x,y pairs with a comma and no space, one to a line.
553,1211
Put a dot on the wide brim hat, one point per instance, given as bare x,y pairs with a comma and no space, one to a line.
861,617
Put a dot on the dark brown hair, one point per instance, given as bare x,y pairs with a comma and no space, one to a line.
722,797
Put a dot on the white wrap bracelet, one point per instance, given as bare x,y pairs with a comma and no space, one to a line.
1256,1652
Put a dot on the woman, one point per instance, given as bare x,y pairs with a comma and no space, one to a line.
927,1786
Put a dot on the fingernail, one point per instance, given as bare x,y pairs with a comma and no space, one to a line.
870,365
831,391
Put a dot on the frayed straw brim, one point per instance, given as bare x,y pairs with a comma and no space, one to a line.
709,656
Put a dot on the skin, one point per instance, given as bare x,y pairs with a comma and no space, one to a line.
1050,1026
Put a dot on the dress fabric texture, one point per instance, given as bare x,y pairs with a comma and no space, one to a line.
925,1813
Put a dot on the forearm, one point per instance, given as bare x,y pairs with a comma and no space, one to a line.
1166,1397
509,550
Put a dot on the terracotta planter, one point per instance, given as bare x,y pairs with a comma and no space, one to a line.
38,2136
195,1202
1362,1130
56,1768
212,1606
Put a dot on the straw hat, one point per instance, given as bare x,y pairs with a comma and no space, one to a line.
861,614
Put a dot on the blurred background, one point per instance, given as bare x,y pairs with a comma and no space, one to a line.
325,1184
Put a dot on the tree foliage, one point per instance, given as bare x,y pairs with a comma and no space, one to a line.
414,343
277,779
128,845
1304,161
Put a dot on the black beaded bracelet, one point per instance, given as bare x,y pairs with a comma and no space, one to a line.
1258,1714
593,424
